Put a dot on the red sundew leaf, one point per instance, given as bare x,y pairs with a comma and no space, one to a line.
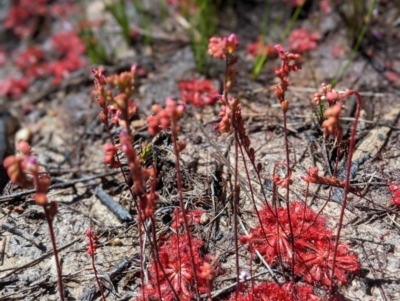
175,259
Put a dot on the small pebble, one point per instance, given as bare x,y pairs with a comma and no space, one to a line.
116,242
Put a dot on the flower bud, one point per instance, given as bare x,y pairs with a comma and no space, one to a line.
285,106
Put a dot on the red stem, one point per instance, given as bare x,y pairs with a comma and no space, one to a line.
140,222
289,172
174,128
153,242
347,181
92,248
235,206
252,194
49,219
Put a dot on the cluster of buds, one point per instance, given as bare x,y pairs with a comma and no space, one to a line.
224,48
289,63
111,155
225,124
23,170
92,243
328,94
313,177
331,124
140,175
231,112
282,182
120,108
162,119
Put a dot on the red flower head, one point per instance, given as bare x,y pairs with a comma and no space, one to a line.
220,47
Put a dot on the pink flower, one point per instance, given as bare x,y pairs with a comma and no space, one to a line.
231,43
220,47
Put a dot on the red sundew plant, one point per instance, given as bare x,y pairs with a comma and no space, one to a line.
316,264
193,218
313,177
13,87
66,55
271,291
275,243
34,63
199,93
70,48
23,16
145,198
300,40
175,259
395,191
292,237
313,245
67,42
30,62
260,48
